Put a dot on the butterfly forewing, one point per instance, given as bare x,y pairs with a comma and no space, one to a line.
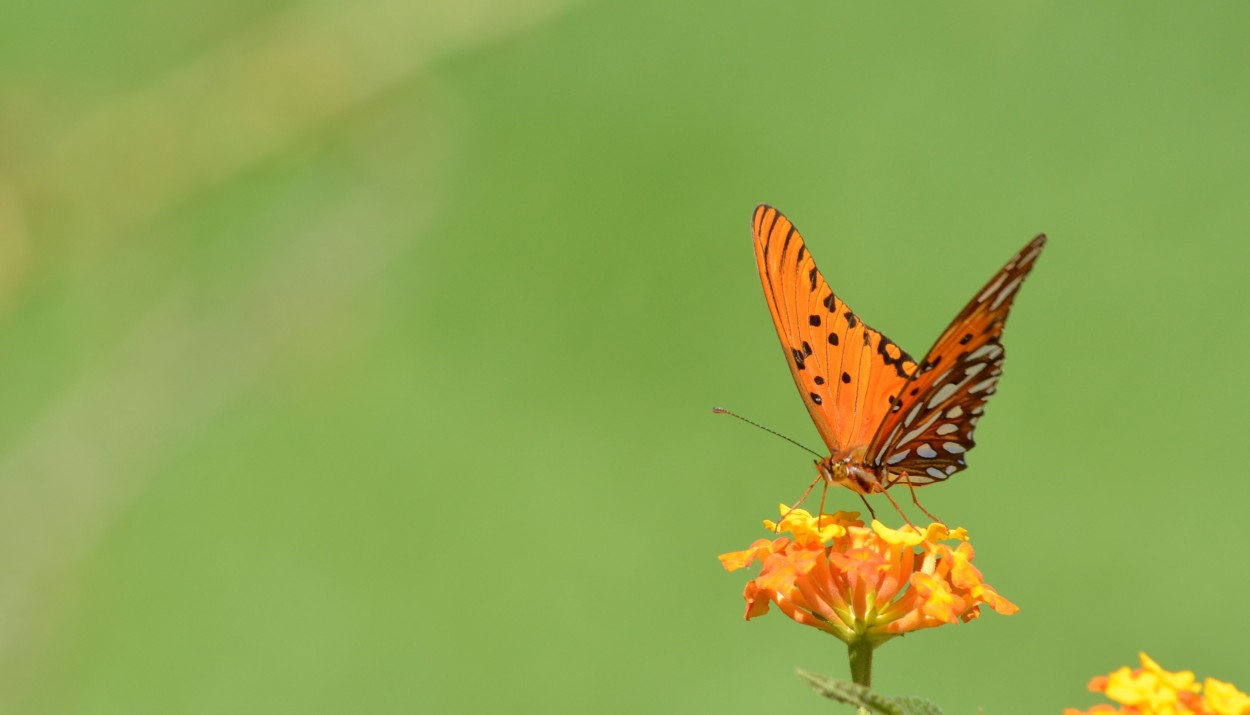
927,437
848,374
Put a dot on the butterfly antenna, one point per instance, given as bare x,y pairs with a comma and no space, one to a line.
723,411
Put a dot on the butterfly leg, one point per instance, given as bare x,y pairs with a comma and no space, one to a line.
869,506
801,500
898,508
916,501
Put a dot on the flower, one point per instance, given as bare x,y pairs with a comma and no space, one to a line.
864,583
1151,690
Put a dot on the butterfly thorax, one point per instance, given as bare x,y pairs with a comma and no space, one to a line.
846,468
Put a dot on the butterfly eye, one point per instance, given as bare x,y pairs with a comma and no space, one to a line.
835,473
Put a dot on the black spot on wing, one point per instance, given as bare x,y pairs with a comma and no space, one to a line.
893,355
929,365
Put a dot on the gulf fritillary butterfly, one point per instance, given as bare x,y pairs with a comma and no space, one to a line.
885,418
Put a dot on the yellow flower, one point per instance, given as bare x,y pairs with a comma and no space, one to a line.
864,584
1151,690
1224,699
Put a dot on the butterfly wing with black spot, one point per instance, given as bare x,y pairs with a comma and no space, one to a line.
927,437
847,373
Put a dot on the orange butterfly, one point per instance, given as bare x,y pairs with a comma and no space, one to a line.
885,418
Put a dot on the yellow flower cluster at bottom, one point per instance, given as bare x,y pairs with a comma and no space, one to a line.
1151,690
864,584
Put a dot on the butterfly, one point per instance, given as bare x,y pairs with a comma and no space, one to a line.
885,418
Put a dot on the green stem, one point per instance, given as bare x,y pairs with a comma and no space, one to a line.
860,654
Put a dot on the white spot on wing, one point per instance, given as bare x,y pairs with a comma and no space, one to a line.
989,350
935,473
898,457
955,413
953,447
983,385
926,451
911,416
1006,292
947,428
951,469
991,288
944,392
886,443
916,432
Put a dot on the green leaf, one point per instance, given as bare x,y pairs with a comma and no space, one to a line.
862,697
912,705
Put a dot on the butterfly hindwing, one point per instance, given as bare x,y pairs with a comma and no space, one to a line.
927,437
848,374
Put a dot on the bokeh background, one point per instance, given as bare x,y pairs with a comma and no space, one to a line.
359,357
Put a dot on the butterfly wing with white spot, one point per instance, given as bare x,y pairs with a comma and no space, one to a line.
927,437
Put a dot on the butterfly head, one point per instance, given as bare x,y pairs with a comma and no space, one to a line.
843,468
832,470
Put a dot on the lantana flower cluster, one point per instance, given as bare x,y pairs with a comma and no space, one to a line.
864,583
1151,690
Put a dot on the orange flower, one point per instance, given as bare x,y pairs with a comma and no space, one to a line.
1151,690
864,584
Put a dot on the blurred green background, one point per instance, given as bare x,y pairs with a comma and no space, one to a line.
359,357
